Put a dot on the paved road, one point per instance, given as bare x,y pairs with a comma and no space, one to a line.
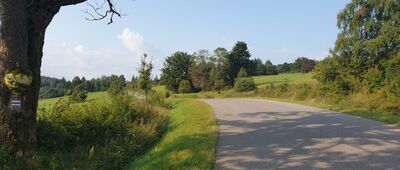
259,134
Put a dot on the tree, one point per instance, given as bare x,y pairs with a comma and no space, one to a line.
238,57
368,37
145,76
23,26
364,47
259,67
270,69
176,68
303,64
200,71
284,68
221,67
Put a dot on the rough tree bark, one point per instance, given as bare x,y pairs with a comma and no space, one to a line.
23,25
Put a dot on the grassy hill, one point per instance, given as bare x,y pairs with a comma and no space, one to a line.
291,78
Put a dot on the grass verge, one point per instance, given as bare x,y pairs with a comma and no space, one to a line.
190,141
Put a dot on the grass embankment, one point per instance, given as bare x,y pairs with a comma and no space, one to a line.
97,134
190,141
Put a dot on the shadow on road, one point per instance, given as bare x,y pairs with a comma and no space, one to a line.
306,140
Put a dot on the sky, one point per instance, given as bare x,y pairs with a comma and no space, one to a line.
276,30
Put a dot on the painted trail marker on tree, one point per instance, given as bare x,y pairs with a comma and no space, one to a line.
16,103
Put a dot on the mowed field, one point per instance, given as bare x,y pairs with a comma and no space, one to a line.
290,78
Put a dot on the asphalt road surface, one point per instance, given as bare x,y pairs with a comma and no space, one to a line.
260,134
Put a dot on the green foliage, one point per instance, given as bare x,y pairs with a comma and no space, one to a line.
116,88
202,67
176,68
366,40
145,69
392,74
270,69
242,73
167,94
258,68
53,87
219,85
78,95
244,84
373,78
327,71
239,57
303,64
184,87
91,135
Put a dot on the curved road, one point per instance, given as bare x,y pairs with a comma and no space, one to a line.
260,134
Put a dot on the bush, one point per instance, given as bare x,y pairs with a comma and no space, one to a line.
167,94
184,87
392,75
78,95
244,85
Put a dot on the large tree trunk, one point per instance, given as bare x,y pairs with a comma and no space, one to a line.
17,125
23,28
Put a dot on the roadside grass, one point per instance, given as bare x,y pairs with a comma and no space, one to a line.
290,78
300,88
190,141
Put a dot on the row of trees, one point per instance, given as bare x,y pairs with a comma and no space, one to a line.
185,72
53,87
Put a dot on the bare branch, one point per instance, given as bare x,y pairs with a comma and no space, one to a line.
97,13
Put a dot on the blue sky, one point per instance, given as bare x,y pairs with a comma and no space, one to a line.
279,31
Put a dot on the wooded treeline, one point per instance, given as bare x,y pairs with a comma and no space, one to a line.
203,71
53,87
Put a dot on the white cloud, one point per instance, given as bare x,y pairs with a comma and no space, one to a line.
66,60
136,44
62,60
133,41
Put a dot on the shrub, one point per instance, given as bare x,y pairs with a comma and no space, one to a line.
244,85
167,94
392,75
78,95
184,87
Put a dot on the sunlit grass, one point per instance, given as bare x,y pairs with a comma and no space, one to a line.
190,141
290,78
94,96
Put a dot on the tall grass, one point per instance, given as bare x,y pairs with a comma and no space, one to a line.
91,135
